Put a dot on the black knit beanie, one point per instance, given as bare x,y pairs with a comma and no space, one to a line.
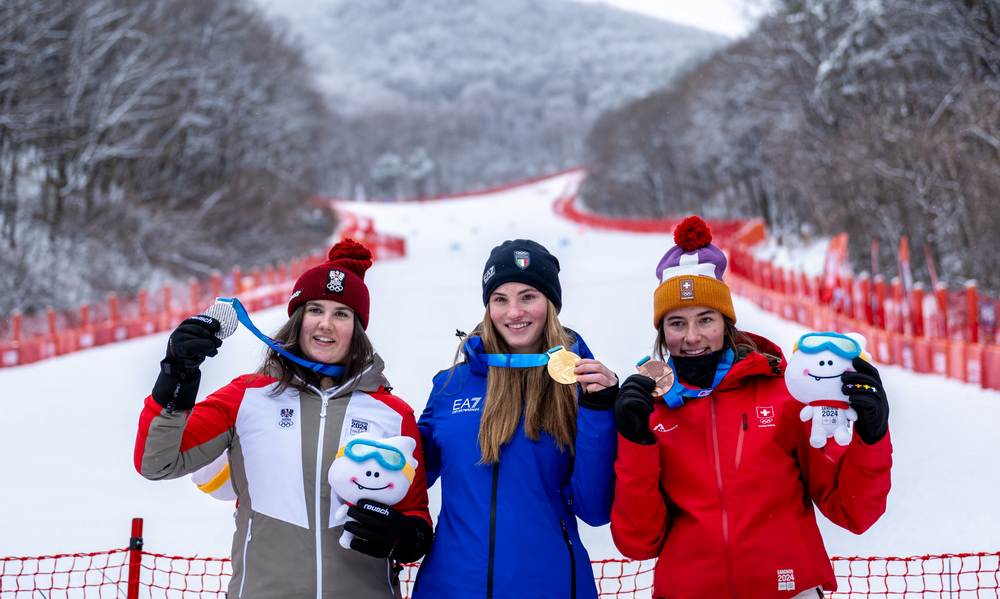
523,261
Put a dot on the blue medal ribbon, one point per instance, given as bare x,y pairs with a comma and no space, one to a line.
679,391
519,360
331,370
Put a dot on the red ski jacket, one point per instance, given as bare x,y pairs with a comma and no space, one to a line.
725,497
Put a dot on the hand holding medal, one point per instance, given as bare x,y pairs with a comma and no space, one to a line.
659,371
568,368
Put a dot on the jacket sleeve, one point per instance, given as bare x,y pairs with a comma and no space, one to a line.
432,451
849,485
172,444
415,501
640,519
593,478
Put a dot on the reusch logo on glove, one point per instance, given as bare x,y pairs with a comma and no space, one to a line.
376,509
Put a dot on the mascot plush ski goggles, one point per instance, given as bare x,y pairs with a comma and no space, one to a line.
841,345
390,458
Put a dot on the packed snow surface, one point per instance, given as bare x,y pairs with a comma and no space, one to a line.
67,425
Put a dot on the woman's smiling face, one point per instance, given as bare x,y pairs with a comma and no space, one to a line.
518,312
326,332
693,331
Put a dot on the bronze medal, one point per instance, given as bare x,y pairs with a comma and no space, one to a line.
660,372
561,364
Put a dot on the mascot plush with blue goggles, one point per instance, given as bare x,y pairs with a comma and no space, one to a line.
813,377
377,469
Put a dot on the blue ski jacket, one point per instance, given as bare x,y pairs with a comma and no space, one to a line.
508,530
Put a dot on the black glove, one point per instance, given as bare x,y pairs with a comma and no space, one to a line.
191,342
633,406
600,400
867,396
381,531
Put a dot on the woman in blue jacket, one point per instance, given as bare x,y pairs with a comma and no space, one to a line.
520,456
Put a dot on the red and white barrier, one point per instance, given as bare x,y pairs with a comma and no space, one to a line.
41,336
132,572
944,335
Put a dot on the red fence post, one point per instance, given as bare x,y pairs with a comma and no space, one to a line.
941,293
134,558
899,318
972,311
15,329
879,311
917,309
216,285
112,309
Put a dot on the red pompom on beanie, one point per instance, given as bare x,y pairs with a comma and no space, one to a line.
341,279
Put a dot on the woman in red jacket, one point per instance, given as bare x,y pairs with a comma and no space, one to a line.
717,478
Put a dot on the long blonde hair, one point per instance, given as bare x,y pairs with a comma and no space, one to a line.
546,404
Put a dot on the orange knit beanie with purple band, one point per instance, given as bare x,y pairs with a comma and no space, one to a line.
691,272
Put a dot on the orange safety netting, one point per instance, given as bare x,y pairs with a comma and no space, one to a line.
106,574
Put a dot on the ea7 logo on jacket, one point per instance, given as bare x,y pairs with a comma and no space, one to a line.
286,418
469,404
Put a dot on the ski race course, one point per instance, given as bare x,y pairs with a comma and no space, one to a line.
67,424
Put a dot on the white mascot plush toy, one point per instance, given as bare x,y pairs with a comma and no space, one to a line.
813,378
368,467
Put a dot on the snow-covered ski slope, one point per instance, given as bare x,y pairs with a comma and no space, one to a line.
67,425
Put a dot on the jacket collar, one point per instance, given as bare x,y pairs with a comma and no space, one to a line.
369,380
767,361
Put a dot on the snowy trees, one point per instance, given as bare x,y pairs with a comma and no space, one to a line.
879,118
491,91
152,138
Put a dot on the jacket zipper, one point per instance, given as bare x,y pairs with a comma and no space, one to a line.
316,511
493,530
739,442
722,498
246,547
572,559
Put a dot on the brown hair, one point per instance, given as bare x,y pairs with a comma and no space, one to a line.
547,405
289,374
741,343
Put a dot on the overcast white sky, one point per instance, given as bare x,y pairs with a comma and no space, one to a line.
723,16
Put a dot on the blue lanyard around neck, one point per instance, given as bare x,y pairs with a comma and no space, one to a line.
331,370
519,360
679,391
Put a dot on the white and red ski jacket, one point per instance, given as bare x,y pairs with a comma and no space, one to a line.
280,450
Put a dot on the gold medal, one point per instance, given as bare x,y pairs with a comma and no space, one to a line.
659,371
561,364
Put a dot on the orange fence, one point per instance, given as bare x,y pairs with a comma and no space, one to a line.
132,572
27,339
955,337
923,345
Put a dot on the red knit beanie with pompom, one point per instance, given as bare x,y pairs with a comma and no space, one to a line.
341,279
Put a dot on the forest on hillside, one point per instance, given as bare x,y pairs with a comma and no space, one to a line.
879,119
147,140
444,96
